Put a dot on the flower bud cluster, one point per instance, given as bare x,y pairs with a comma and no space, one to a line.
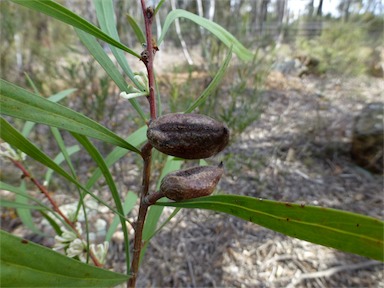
7,153
74,247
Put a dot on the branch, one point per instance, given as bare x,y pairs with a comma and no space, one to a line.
146,153
147,56
56,208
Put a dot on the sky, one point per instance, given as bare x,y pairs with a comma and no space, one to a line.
297,7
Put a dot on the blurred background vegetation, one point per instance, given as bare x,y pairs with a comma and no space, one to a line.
347,40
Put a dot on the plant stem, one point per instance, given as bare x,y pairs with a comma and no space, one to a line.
146,151
56,208
148,13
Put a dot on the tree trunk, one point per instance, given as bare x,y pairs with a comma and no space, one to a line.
281,7
319,12
263,14
310,7
347,5
182,42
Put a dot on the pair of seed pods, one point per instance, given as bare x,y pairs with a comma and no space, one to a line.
189,136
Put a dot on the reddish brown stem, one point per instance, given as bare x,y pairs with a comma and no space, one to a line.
148,19
152,198
146,153
56,208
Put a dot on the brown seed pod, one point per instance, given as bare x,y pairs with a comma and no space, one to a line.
191,183
188,136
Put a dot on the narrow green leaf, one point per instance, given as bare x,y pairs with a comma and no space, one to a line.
59,159
338,229
61,95
29,80
41,206
61,13
20,103
28,126
136,29
19,191
52,222
15,139
26,264
65,151
128,205
18,206
224,36
98,158
99,54
173,214
25,213
106,17
136,138
213,85
159,6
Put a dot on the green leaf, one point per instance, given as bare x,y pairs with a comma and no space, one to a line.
213,85
20,103
98,158
106,17
28,126
61,13
173,214
65,153
338,229
128,205
136,138
17,205
99,54
59,159
159,6
25,213
52,222
15,139
61,95
19,191
26,264
136,29
224,36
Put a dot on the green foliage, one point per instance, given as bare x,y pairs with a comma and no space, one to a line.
329,227
22,104
224,36
94,87
27,264
59,12
339,48
38,266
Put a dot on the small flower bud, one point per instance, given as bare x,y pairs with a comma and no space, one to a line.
7,152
